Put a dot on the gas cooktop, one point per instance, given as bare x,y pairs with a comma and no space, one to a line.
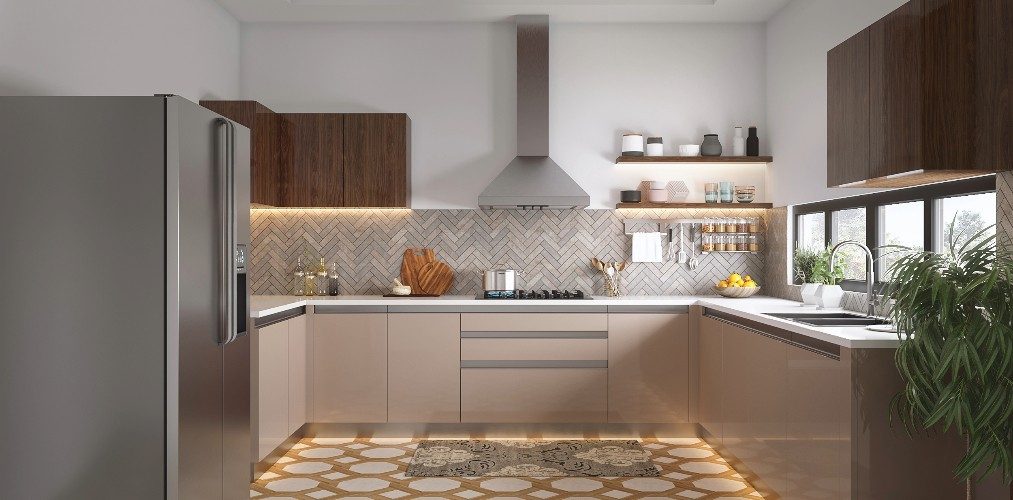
534,295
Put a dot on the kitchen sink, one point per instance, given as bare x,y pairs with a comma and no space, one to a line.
830,319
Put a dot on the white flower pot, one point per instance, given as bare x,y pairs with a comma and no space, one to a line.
829,296
809,294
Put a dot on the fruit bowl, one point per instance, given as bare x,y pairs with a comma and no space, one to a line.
737,292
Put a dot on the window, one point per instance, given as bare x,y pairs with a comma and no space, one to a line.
915,218
901,230
812,231
850,225
962,218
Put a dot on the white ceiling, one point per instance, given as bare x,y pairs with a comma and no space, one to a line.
566,11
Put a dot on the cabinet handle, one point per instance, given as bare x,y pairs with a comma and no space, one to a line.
561,363
804,347
534,335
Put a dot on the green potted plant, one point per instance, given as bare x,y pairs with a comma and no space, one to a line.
954,315
812,269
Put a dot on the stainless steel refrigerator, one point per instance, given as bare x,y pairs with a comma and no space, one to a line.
124,354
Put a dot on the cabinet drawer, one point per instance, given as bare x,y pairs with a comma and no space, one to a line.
534,322
533,395
533,349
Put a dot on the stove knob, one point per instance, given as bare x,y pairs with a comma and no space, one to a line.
567,294
578,294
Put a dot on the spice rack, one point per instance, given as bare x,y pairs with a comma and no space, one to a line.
730,235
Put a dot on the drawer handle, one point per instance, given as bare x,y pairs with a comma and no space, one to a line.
534,335
559,363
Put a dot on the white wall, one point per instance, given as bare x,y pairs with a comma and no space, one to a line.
118,47
798,38
457,82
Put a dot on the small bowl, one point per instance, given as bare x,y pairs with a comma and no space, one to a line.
657,196
629,196
737,293
657,184
744,197
689,150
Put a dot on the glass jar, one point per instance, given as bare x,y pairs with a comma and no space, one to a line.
299,276
719,243
710,192
754,225
707,244
720,226
707,226
741,244
754,243
332,280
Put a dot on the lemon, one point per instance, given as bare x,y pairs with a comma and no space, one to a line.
736,285
734,278
722,284
747,278
750,284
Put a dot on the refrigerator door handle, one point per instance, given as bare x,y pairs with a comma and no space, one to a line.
227,283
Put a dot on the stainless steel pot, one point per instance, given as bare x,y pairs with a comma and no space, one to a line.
500,279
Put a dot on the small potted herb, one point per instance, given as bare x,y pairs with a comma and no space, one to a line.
819,285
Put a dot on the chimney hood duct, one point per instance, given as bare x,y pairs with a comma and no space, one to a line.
532,181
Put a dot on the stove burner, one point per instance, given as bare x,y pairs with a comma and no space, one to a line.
534,294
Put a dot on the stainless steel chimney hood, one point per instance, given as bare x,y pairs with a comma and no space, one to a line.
532,181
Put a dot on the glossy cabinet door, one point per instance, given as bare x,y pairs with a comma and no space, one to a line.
848,111
648,368
297,373
423,357
272,415
533,395
350,368
711,335
754,405
818,392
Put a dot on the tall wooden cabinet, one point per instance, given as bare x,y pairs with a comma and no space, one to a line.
922,95
325,160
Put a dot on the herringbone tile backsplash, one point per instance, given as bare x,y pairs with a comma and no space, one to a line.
553,248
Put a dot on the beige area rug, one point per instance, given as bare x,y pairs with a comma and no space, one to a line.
529,458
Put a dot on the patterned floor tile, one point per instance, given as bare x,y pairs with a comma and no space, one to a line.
364,468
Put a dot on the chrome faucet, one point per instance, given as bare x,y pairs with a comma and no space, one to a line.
870,273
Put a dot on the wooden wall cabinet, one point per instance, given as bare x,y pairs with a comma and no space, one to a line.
325,160
377,160
349,368
648,368
922,95
423,366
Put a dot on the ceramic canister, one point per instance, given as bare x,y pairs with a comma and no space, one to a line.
711,145
655,147
633,145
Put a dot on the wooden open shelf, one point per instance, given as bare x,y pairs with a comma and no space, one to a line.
694,159
715,206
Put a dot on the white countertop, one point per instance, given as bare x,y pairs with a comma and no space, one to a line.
752,308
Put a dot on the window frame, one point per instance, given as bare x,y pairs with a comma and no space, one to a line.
929,195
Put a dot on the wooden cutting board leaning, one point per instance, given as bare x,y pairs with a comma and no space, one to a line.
426,275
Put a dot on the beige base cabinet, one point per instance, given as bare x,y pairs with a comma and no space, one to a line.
533,395
709,399
298,372
648,368
281,383
349,368
272,390
423,366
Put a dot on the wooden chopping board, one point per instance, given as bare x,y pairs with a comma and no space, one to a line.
436,278
426,275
